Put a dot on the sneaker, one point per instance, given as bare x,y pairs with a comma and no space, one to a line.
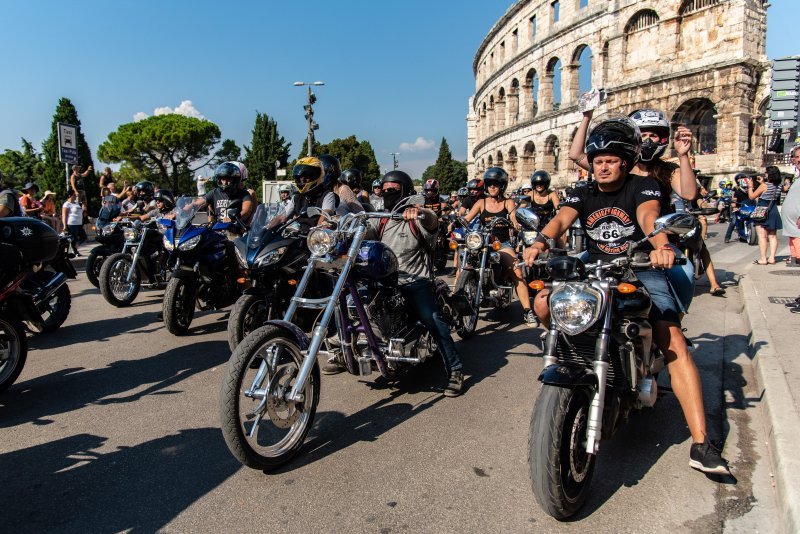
333,367
530,318
707,457
455,384
727,239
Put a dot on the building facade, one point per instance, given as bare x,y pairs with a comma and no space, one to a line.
702,62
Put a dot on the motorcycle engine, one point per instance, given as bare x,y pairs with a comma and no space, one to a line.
386,312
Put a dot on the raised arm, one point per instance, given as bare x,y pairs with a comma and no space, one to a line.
576,151
683,180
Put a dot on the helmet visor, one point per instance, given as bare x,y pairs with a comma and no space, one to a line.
306,176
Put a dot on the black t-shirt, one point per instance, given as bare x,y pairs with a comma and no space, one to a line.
218,201
467,203
609,219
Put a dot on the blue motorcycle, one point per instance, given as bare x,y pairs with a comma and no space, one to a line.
205,272
746,223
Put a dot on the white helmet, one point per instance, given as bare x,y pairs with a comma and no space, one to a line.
652,119
285,188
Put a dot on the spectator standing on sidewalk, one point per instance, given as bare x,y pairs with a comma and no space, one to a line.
790,212
49,211
72,218
32,207
766,191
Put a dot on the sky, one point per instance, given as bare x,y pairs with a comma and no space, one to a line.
398,74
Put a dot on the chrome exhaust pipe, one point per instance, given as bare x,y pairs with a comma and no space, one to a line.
49,289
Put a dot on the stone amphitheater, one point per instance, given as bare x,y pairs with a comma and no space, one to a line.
702,62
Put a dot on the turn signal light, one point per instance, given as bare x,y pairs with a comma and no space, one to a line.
241,280
626,288
291,282
453,245
497,245
536,285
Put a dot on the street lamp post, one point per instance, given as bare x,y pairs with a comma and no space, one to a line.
309,108
394,160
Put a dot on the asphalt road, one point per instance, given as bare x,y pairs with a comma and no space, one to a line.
113,426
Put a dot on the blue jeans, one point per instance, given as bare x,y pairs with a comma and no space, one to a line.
736,222
421,301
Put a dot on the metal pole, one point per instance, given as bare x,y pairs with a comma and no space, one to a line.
310,124
66,171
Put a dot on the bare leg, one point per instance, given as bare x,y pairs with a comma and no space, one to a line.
705,256
762,243
541,308
685,377
772,237
508,258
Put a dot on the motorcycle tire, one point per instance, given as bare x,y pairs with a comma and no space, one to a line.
248,313
752,235
113,284
242,417
55,310
468,283
13,351
560,468
94,262
179,304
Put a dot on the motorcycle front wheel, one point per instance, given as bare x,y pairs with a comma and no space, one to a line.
94,263
179,303
55,310
114,283
248,313
13,351
468,284
560,468
752,235
261,428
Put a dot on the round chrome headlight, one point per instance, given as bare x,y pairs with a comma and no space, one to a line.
167,243
130,234
529,237
474,240
109,229
321,241
575,307
189,244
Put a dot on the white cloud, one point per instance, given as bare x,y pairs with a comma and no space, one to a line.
420,145
185,108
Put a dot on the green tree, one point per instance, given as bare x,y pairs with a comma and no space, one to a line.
20,166
451,174
266,148
168,146
53,173
352,153
229,151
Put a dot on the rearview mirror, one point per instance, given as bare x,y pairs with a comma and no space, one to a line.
676,223
528,219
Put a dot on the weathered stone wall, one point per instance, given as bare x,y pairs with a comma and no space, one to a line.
700,61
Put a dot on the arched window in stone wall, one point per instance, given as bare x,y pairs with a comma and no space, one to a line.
690,6
528,160
483,116
500,113
513,102
489,161
499,162
490,117
511,164
757,129
531,102
580,72
698,33
699,115
552,151
642,41
551,85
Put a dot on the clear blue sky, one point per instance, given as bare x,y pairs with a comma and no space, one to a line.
394,71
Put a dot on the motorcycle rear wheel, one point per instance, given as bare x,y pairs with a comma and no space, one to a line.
248,313
752,235
13,351
113,280
264,431
55,310
94,263
560,468
179,304
468,283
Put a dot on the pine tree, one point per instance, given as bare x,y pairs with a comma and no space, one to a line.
451,174
266,148
54,174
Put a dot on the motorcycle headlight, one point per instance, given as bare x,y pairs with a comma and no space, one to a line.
321,241
189,244
474,240
575,307
271,257
529,237
167,243
130,234
108,229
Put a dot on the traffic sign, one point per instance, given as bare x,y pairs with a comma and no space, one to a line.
67,143
782,85
789,94
779,105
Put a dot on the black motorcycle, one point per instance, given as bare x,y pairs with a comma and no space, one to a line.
273,259
111,239
143,262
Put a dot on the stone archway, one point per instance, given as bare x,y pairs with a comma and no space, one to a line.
511,164
531,90
580,75
551,86
700,116
528,159
552,151
513,102
500,111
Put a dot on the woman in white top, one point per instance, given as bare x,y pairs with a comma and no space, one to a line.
72,217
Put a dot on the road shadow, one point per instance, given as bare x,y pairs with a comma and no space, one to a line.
34,400
100,330
67,486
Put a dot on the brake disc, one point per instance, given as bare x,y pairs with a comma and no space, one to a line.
282,414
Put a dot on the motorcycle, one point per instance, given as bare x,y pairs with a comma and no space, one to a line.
33,291
691,242
273,259
271,387
204,270
744,213
111,239
143,262
600,363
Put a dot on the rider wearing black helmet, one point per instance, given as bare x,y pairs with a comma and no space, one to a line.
375,198
164,202
497,205
230,178
544,201
618,209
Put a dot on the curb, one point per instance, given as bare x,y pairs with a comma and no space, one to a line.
781,420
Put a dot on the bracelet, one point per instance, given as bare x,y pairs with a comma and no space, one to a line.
541,238
665,247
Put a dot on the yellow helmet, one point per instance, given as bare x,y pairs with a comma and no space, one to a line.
308,174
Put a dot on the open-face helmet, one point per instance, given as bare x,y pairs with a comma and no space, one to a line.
496,175
391,198
376,183
166,197
332,168
540,178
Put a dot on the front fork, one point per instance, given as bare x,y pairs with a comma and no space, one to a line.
136,256
595,423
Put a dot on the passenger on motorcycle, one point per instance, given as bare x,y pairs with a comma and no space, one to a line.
346,187
544,200
496,205
141,202
164,204
375,198
616,209
412,240
432,201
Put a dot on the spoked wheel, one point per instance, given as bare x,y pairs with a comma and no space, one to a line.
13,351
560,468
55,310
114,284
468,283
248,313
262,429
179,304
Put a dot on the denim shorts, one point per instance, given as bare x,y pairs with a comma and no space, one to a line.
665,307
